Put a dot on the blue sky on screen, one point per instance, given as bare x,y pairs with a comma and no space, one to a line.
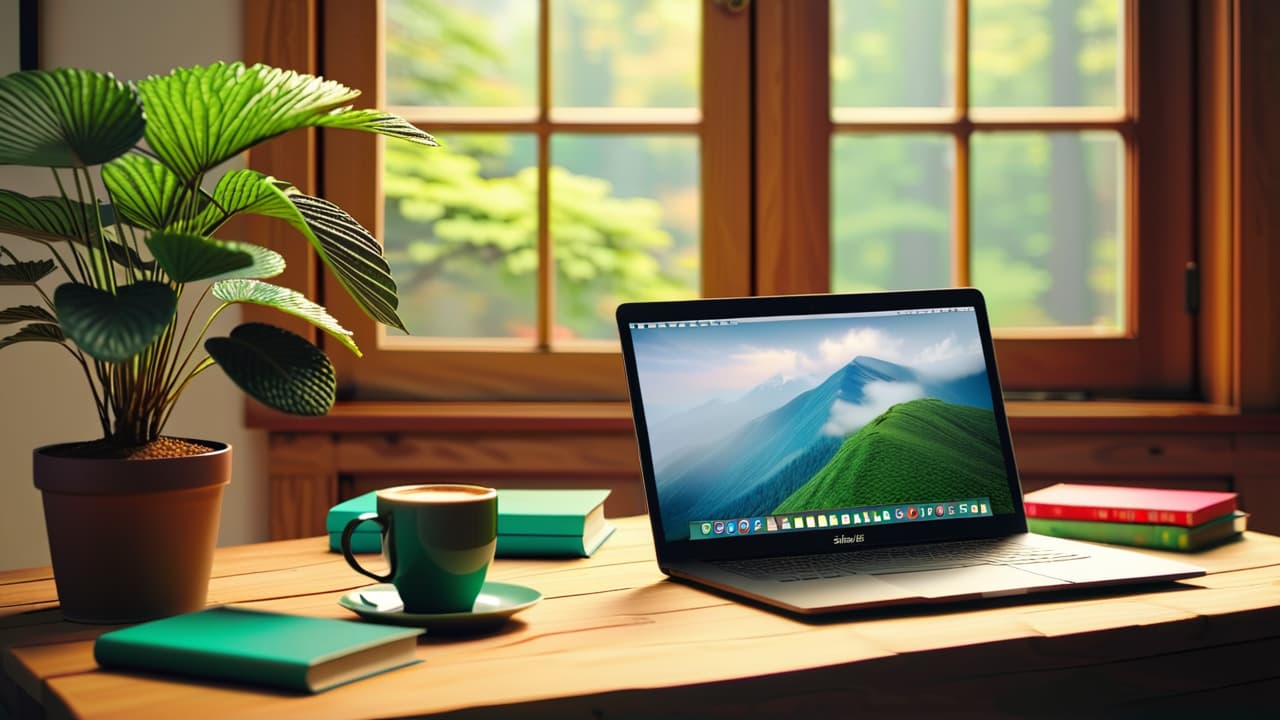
681,368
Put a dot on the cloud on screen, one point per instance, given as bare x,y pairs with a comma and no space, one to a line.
847,418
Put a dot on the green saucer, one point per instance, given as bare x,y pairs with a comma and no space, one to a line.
496,603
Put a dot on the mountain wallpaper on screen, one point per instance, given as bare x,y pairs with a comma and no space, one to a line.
940,442
919,451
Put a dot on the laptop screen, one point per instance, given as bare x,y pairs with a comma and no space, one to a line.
791,424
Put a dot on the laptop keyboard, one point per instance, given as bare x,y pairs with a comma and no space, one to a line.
885,561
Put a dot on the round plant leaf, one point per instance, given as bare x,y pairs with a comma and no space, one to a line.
114,328
266,262
277,368
285,300
187,258
197,118
35,332
49,218
145,191
66,118
56,219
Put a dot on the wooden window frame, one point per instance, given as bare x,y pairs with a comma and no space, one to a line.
425,369
1153,355
1236,346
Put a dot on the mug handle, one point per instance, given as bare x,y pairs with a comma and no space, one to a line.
346,547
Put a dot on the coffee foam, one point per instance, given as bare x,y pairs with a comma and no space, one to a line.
437,494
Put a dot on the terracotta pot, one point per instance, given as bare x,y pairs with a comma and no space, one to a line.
132,540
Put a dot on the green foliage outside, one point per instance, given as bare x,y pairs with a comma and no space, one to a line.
915,452
462,221
1046,208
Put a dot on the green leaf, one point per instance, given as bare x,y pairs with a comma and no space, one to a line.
354,256
114,328
27,272
35,332
277,368
244,191
285,300
48,219
376,121
187,258
342,244
23,313
266,262
145,191
66,118
53,219
197,118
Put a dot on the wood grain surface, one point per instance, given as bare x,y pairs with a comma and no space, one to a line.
613,638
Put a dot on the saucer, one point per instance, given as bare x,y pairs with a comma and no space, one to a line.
496,603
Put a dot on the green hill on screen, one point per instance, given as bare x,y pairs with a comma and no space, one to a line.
915,452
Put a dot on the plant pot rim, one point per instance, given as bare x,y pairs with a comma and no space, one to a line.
121,476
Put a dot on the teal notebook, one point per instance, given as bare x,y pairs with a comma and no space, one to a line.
290,652
531,523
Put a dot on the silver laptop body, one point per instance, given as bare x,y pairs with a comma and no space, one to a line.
834,452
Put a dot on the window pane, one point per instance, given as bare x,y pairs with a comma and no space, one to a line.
1062,53
461,234
625,53
624,226
464,53
892,53
890,212
1047,215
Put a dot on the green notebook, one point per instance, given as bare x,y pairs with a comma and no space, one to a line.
305,654
531,523
538,523
1161,537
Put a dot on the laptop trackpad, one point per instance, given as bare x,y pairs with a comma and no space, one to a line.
971,581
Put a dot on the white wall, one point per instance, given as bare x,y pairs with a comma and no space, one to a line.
43,395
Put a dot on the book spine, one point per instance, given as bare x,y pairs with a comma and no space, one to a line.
111,652
541,524
1128,515
1140,535
541,545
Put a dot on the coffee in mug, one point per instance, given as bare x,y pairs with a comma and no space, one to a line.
438,541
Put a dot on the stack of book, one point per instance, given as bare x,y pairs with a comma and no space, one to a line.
531,523
1145,517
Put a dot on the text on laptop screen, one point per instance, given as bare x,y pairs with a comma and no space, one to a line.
791,424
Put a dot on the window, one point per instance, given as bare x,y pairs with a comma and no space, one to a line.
587,160
641,149
1038,149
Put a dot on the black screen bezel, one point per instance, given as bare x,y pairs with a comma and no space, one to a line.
816,541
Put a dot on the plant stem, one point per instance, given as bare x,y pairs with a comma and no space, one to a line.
172,400
84,273
103,418
56,256
108,269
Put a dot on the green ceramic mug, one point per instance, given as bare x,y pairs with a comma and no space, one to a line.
438,541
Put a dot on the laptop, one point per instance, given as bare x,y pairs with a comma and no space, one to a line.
835,452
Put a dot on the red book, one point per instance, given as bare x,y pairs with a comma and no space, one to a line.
1110,503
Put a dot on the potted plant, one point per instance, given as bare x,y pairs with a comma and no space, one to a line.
133,516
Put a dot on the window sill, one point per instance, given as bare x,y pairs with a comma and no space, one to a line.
1024,416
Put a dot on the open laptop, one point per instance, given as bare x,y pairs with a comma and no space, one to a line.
830,452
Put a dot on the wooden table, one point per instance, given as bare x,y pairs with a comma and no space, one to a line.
612,638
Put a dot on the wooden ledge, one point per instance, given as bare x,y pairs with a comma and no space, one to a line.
1024,416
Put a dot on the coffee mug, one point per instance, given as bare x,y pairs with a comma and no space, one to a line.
438,541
